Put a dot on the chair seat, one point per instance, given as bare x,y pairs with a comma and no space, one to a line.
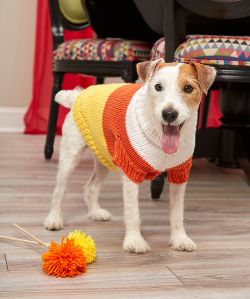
103,50
210,49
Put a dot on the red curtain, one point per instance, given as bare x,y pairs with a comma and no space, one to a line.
36,117
214,114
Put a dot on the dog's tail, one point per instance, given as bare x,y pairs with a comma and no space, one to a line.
67,97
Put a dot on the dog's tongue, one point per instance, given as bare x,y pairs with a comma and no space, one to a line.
170,139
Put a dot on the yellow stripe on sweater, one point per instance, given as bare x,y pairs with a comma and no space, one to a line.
87,113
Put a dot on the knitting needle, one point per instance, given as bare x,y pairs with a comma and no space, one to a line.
30,235
18,240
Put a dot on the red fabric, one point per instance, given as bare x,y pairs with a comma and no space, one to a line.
214,113
36,117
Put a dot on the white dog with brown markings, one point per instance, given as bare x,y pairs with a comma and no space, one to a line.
141,130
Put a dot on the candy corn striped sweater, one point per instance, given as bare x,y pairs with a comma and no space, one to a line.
118,138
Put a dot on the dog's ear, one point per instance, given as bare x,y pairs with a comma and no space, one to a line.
146,69
206,75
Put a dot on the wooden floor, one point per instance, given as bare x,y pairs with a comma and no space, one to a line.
217,217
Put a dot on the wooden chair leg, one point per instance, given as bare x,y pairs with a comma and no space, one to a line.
53,114
157,186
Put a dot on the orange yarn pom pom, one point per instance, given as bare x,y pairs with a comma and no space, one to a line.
64,260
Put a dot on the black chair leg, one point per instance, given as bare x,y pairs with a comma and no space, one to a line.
157,186
245,166
129,73
53,114
99,80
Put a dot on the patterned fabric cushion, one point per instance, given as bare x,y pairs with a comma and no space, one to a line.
214,49
103,50
210,49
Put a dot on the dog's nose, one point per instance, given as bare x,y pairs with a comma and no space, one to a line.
169,115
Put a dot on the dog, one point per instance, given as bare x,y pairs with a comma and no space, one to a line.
139,130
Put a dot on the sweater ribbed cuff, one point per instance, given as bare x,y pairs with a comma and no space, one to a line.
180,174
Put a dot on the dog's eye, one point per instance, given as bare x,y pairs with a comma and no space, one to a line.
188,88
158,87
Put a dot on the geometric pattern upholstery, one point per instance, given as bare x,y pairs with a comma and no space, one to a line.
214,49
211,49
103,50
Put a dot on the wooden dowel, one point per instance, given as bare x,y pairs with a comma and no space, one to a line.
30,235
19,240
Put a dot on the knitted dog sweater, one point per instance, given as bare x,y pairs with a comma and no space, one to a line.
100,114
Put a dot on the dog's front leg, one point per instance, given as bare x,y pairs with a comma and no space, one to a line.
178,239
133,241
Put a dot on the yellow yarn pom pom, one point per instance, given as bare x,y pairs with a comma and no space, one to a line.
86,243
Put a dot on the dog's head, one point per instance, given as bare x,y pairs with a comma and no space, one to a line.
175,91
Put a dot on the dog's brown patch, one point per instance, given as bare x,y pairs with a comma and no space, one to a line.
188,76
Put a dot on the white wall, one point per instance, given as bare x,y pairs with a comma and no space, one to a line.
17,41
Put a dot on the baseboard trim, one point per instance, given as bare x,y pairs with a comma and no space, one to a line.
11,119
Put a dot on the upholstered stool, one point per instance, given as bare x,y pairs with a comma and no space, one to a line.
229,144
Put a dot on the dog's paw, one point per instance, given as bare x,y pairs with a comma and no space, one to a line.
182,242
53,222
100,214
135,243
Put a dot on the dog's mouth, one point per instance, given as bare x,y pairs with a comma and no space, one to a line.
170,138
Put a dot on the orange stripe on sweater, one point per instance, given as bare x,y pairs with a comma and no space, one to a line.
180,174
